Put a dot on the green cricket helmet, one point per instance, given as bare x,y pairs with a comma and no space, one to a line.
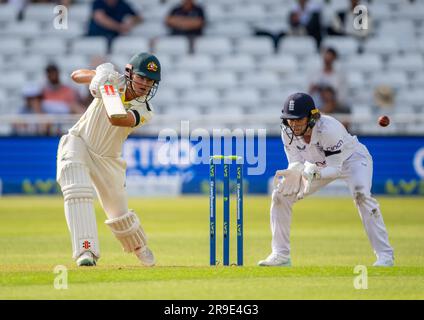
146,65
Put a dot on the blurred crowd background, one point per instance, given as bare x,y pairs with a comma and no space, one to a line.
225,62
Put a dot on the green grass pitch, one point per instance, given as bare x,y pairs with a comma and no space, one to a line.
328,241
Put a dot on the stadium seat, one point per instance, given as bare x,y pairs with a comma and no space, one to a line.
302,46
414,98
296,80
23,29
160,12
311,64
80,13
248,12
180,112
69,63
74,30
255,46
172,45
48,46
119,61
242,97
236,62
234,29
396,3
12,46
261,80
213,45
226,109
379,12
395,79
217,12
149,30
181,80
355,79
418,80
218,80
40,12
165,96
344,46
204,97
278,10
408,62
410,12
30,63
280,63
89,46
8,13
364,63
397,30
129,45
13,81
382,45
196,63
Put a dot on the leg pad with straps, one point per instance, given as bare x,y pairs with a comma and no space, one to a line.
127,229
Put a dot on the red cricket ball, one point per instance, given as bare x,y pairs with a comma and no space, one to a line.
384,121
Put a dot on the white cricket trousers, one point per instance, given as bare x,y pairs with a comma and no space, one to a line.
78,170
357,172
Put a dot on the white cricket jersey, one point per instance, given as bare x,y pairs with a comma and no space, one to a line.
329,147
99,134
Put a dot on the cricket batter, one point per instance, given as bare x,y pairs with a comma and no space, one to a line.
320,150
90,155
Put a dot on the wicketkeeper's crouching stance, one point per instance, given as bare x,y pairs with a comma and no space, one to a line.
320,150
90,155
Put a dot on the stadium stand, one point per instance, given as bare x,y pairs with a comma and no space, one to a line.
231,70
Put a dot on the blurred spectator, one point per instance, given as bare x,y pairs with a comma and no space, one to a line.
187,19
384,97
330,103
32,95
343,22
111,18
305,19
329,76
59,98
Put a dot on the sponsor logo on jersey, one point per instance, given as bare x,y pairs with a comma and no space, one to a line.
300,148
336,146
151,66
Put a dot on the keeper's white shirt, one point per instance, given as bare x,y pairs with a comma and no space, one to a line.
329,147
99,134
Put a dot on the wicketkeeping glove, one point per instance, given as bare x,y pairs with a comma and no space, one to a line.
309,174
290,183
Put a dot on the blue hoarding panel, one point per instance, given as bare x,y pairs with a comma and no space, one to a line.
28,164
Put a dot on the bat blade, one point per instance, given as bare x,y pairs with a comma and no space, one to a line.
112,101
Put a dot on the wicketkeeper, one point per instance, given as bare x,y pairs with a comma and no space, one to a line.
90,156
320,150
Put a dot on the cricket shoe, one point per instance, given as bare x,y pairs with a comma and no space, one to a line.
145,255
275,260
384,262
87,259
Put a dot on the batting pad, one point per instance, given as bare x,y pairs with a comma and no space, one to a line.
128,231
79,210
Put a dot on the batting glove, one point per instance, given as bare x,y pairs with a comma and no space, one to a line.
104,73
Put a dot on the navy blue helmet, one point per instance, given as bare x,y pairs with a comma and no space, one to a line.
297,106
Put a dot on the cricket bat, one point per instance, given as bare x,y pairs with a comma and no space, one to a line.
112,101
